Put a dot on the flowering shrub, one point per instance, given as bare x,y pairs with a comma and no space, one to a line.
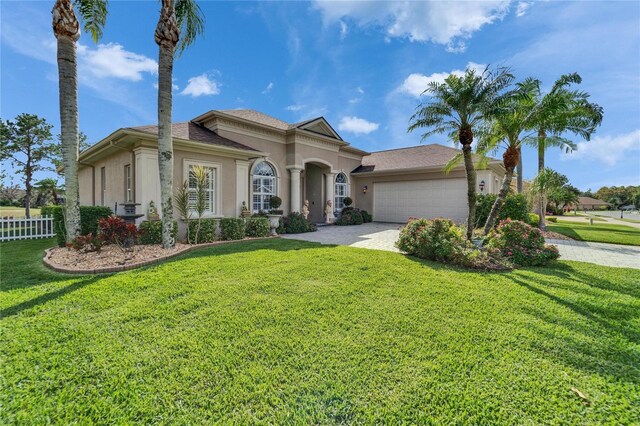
350,216
114,230
521,244
87,243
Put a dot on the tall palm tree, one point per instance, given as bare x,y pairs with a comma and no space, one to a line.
546,182
458,107
181,21
67,32
504,131
560,111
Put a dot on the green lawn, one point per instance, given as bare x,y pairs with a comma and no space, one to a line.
16,211
287,332
601,233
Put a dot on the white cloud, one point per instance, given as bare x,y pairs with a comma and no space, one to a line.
201,85
112,60
268,88
357,125
608,149
416,83
360,90
295,107
445,23
344,29
174,86
522,7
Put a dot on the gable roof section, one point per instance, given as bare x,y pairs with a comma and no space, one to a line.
195,132
317,125
589,201
415,157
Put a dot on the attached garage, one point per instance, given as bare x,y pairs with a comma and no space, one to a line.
397,184
398,201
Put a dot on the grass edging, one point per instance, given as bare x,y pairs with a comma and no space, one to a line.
135,265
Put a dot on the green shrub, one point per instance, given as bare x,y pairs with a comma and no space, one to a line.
515,207
533,219
366,216
89,217
552,219
350,217
258,227
347,201
115,230
232,228
295,223
521,244
151,232
206,233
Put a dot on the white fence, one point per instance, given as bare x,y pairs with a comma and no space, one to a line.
21,228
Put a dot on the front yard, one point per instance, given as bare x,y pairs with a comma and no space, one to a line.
599,233
289,332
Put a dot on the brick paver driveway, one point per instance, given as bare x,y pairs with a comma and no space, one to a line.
382,236
376,236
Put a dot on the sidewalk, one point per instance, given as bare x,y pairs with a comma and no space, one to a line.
598,253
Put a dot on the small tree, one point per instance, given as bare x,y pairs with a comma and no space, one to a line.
201,176
26,143
182,204
56,157
48,186
545,183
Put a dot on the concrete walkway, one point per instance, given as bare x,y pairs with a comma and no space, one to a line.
382,236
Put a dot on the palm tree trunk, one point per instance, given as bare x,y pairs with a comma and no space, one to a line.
497,205
542,136
68,81
166,35
466,138
165,143
519,178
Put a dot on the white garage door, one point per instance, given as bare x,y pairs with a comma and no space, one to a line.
398,201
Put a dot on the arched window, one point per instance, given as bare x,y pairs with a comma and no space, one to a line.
264,186
340,191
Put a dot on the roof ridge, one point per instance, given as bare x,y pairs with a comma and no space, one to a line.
415,146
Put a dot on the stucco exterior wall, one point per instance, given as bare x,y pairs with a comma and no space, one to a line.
114,180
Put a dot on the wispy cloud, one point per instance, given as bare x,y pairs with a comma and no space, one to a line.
445,23
416,83
357,125
201,85
522,7
608,150
268,88
295,107
113,61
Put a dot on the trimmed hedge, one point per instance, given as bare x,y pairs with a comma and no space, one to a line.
533,219
151,232
258,227
350,217
207,232
366,216
232,228
295,223
89,217
515,207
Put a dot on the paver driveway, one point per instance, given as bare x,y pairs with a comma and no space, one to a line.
376,236
382,236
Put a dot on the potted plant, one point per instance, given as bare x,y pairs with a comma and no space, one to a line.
274,213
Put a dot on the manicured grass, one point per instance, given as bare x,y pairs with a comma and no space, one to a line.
16,211
601,233
288,332
630,220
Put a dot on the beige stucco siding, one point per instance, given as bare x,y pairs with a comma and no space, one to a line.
114,183
86,182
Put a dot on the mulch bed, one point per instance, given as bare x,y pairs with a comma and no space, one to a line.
112,259
554,236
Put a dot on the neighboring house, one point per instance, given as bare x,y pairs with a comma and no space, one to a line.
253,156
587,203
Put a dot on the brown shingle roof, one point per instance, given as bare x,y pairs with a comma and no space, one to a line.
415,157
258,117
195,132
591,201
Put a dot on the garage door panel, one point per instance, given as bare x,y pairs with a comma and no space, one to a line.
398,201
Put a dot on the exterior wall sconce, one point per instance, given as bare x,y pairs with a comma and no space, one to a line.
364,189
482,186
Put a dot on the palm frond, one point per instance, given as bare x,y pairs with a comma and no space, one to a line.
94,16
451,164
190,21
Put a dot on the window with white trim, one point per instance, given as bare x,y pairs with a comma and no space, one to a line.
210,189
264,181
128,189
340,191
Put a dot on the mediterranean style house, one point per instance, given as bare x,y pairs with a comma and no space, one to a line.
252,156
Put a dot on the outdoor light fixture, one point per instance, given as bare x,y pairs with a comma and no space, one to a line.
364,189
481,186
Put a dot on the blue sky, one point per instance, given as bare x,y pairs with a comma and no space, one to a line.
361,65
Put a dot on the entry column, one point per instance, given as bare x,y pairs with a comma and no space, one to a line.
295,189
328,191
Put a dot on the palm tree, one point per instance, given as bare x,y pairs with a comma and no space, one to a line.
504,130
546,182
560,111
67,32
180,23
49,185
458,107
